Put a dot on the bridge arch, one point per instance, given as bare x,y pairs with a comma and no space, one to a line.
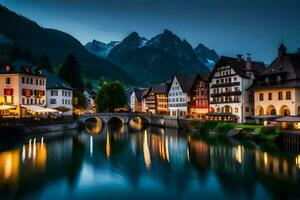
93,125
116,118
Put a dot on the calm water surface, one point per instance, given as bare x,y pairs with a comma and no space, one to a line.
147,163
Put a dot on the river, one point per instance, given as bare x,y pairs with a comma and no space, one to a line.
145,163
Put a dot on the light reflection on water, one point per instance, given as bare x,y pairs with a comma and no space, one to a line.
145,164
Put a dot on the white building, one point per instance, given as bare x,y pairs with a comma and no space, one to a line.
229,97
178,95
22,90
59,95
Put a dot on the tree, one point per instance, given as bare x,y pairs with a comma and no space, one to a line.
45,63
110,96
27,56
88,86
70,72
16,53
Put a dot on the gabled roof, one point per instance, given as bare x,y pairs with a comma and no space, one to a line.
185,82
199,77
288,63
22,67
54,82
238,65
160,88
139,93
285,64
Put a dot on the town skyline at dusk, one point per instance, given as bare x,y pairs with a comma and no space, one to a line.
149,99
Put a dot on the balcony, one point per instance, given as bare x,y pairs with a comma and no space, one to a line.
225,84
233,93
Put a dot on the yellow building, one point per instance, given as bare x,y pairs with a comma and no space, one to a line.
277,89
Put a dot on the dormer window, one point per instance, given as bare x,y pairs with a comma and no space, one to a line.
278,78
267,79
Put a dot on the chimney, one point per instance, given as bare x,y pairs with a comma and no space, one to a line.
7,68
239,57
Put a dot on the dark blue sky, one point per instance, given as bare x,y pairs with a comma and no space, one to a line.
228,26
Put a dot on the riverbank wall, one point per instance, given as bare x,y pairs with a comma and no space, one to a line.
25,129
173,122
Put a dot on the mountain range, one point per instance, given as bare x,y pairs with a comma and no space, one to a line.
29,36
135,60
157,59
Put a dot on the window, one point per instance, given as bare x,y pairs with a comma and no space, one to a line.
270,96
63,101
247,109
23,101
54,93
27,80
52,101
23,80
7,80
36,81
288,95
280,97
31,81
261,96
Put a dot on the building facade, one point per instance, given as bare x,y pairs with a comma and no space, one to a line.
277,89
22,90
229,97
156,99
59,95
136,99
179,95
199,98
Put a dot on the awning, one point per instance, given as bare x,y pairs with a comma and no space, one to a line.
221,114
265,116
289,119
6,107
62,109
35,108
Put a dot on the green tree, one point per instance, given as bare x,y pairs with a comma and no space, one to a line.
88,85
45,63
110,96
16,52
70,72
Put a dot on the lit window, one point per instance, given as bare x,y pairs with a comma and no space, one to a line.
7,81
261,96
288,95
270,96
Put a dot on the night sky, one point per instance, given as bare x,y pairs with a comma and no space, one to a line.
228,26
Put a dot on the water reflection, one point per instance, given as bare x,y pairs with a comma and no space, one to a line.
135,164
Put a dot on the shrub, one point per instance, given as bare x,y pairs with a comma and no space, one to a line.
225,127
207,125
269,133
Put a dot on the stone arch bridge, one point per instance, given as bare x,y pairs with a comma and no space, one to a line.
125,118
